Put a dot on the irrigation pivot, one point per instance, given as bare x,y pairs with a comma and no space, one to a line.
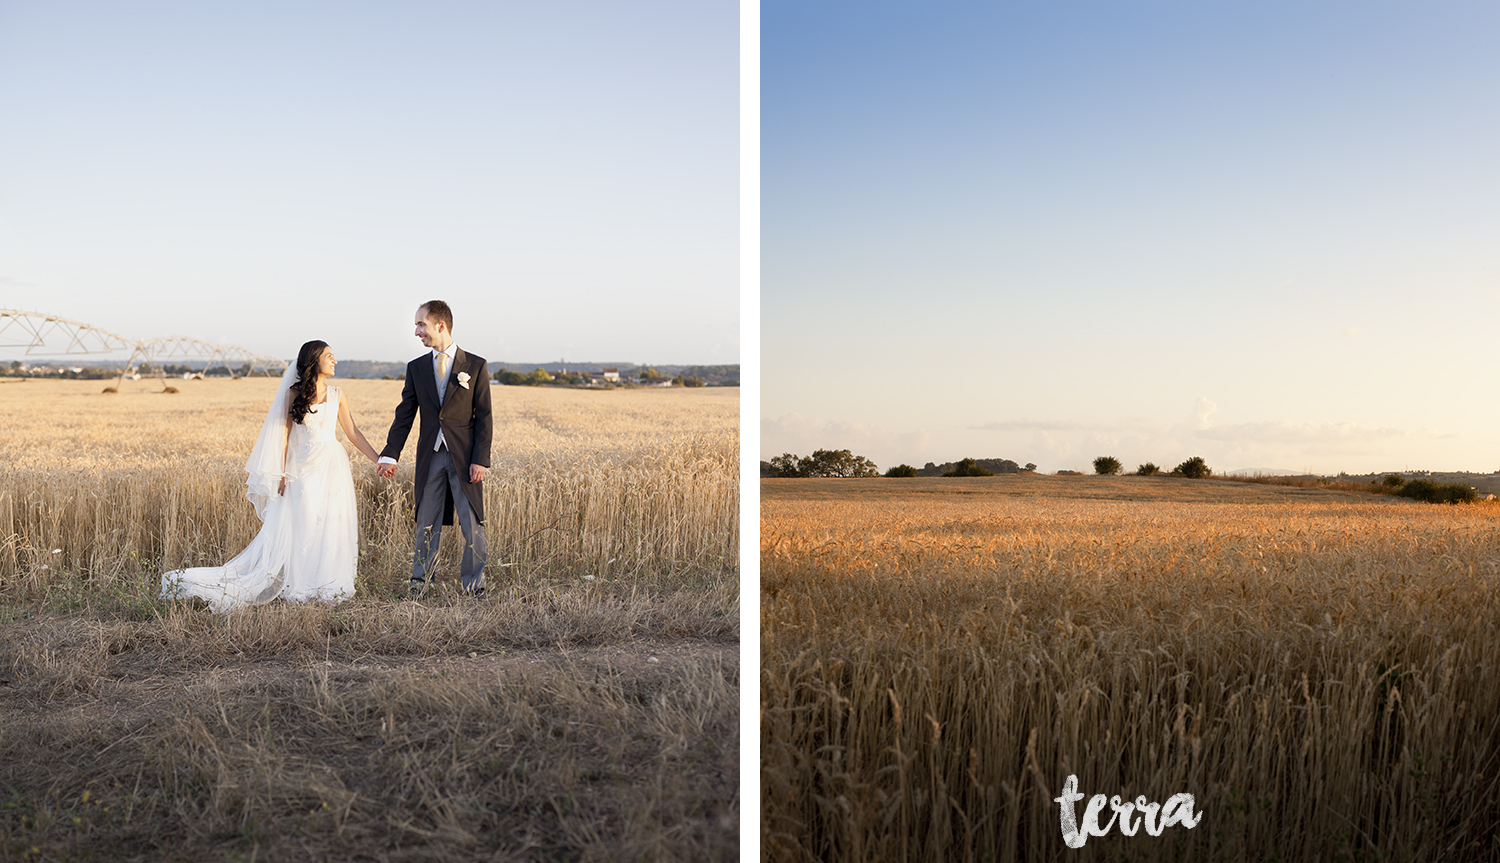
39,334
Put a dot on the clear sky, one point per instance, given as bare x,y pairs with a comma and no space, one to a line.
1263,233
563,172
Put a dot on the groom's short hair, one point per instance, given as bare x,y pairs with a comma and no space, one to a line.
438,310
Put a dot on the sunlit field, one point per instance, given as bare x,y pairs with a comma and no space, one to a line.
1321,670
584,710
621,482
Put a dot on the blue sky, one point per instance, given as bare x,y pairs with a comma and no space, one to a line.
563,173
1265,234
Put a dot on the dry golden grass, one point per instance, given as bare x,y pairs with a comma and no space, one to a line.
1321,670
615,483
564,717
396,732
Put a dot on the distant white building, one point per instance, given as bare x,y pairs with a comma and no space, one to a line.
611,374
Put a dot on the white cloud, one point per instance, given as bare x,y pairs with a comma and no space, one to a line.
1203,411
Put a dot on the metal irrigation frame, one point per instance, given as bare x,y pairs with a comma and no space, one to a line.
36,328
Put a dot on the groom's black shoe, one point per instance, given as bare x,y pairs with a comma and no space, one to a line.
416,591
477,593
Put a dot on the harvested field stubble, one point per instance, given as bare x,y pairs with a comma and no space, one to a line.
585,710
510,754
1321,670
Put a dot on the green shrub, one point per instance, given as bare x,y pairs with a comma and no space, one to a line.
1393,480
1432,492
1147,469
1419,489
968,467
1107,465
1193,468
901,470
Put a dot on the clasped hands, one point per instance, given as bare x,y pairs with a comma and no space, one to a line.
476,471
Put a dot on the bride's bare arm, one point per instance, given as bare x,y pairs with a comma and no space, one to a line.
286,435
352,432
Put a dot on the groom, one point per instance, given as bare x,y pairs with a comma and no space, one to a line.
451,389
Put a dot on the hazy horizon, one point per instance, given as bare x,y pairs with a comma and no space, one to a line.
115,359
1165,467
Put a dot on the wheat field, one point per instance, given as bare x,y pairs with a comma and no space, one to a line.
586,709
635,483
1321,670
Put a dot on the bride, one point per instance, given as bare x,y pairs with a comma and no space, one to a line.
303,493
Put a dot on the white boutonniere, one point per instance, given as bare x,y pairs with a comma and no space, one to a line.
463,379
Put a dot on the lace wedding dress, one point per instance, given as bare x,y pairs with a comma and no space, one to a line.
309,538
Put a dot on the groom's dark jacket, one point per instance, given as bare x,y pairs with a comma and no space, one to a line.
464,418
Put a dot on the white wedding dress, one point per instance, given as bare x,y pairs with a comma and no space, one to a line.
308,543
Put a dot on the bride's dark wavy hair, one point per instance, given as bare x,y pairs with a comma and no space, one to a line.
305,389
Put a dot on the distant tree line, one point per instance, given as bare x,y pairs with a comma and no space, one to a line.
713,376
371,369
540,377
84,373
90,373
962,467
844,463
630,374
822,463
174,370
990,466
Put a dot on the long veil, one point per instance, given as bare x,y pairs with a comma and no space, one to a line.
256,574
267,462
